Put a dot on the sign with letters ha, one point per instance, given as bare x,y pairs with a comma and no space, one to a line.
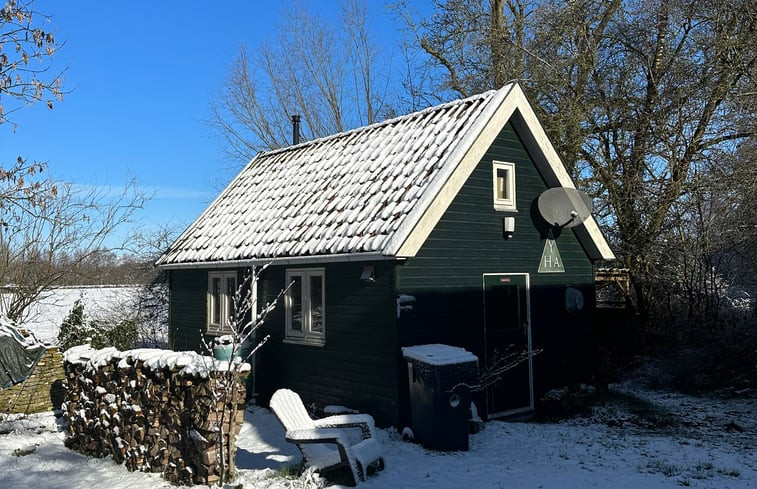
551,262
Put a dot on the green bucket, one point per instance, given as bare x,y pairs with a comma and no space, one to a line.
223,352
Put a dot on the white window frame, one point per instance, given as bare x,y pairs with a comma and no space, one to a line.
306,335
506,204
226,302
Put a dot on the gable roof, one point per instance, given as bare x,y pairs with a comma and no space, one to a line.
369,193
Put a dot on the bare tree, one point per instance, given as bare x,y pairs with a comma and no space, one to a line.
152,300
242,343
331,74
47,228
471,45
705,258
26,50
58,220
664,99
638,95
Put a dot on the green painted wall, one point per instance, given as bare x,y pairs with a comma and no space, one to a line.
188,308
187,304
357,366
446,275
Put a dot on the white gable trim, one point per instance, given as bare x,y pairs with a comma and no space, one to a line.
547,160
408,239
508,102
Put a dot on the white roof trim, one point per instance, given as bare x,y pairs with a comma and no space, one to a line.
545,157
408,239
510,100
289,260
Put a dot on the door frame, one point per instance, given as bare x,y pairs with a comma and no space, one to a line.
527,277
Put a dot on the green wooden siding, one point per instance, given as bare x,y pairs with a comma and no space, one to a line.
358,364
188,304
187,313
446,275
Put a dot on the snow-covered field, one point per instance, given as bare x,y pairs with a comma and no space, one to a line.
635,439
45,316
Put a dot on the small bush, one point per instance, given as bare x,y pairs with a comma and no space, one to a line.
76,329
122,335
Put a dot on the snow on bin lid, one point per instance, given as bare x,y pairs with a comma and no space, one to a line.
438,354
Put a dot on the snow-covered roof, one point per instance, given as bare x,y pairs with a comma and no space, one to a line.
370,192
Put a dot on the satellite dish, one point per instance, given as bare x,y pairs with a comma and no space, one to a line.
564,207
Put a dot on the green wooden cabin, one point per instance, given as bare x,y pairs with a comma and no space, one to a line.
420,229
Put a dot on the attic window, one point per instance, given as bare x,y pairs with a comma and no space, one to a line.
503,182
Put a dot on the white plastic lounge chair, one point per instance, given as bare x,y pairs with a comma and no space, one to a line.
325,444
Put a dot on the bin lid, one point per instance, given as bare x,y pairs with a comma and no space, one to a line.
437,354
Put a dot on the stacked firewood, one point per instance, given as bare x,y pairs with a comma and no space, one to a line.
151,414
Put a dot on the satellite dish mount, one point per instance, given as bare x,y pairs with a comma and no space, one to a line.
564,207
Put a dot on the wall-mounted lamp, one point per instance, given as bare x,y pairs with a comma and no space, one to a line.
508,227
369,274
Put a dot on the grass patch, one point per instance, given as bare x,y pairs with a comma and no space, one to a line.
619,408
632,403
289,471
659,466
703,470
730,472
299,476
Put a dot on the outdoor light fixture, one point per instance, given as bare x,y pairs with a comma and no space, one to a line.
508,227
369,274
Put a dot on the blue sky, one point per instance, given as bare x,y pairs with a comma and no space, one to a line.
141,75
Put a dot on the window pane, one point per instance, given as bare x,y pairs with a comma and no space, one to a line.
316,303
231,289
502,187
215,300
295,295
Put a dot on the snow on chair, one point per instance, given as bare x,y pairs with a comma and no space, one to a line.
325,444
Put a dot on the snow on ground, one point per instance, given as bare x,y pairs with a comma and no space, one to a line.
636,439
45,315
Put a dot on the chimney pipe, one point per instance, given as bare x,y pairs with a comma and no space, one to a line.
295,129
